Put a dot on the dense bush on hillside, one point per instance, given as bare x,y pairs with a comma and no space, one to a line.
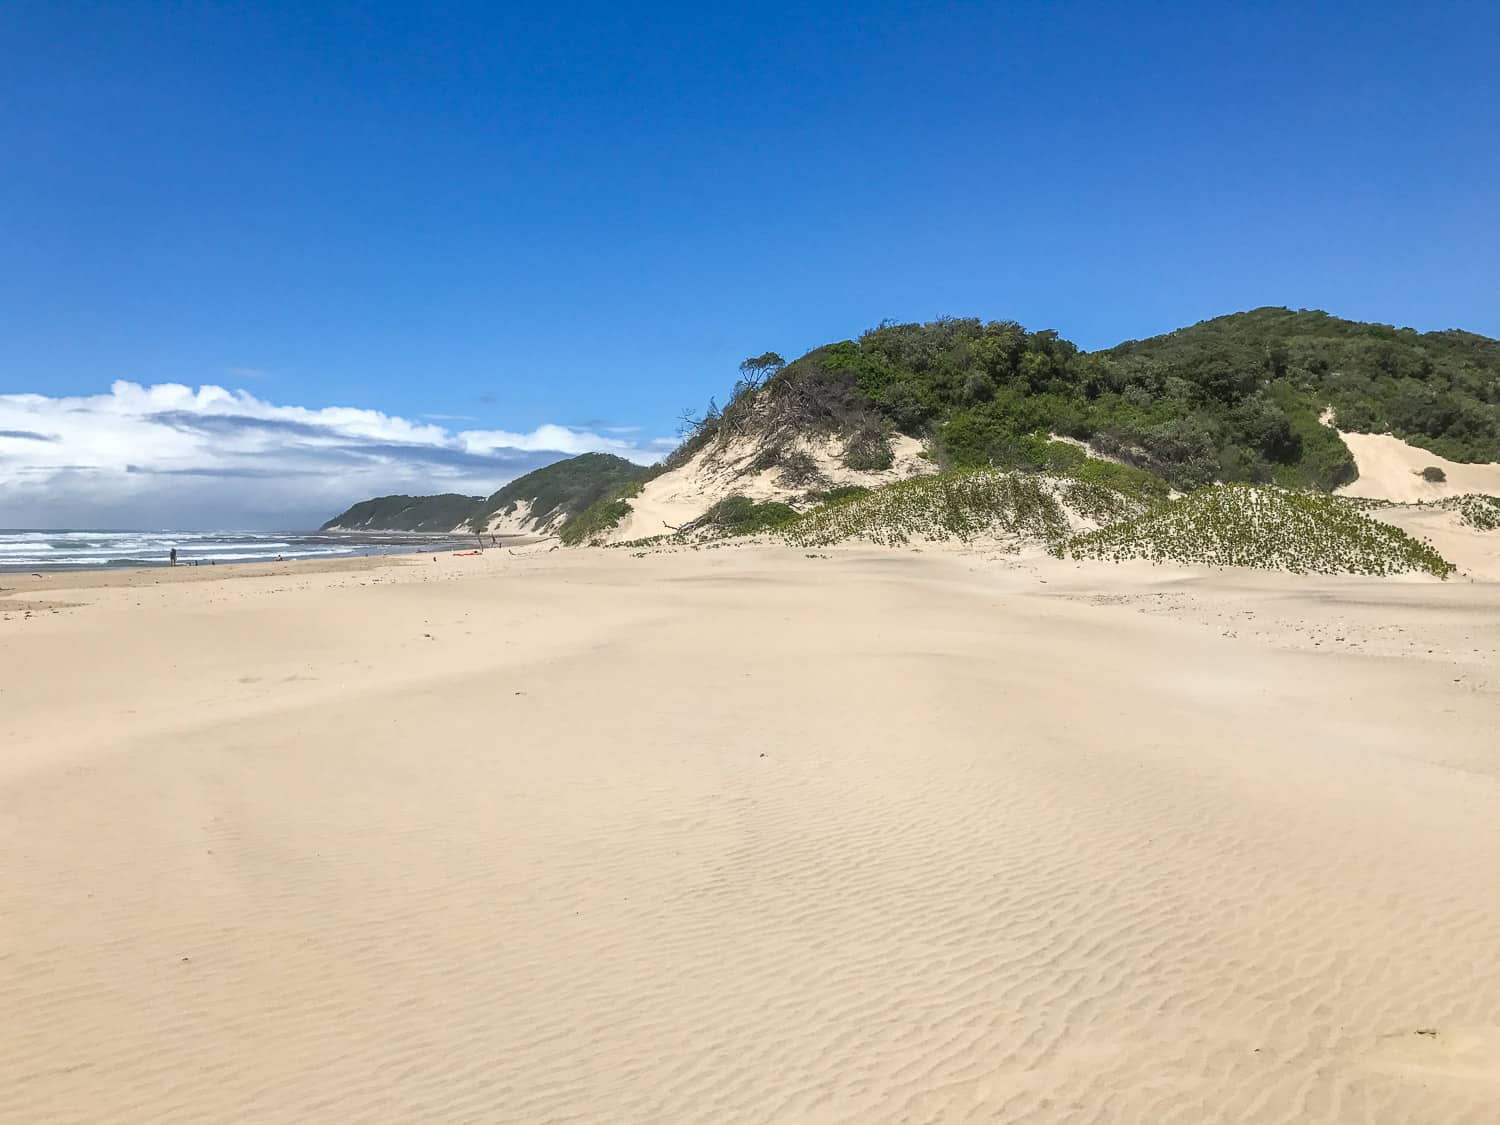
1233,399
1439,390
407,513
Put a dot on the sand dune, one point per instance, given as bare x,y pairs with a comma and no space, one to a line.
676,497
1476,553
1390,469
749,836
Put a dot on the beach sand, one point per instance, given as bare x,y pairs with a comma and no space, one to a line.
748,835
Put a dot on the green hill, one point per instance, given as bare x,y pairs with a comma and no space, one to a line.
561,491
555,495
406,513
1237,398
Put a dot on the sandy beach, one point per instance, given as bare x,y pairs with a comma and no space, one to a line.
748,835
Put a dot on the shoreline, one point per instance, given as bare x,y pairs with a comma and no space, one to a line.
134,573
84,550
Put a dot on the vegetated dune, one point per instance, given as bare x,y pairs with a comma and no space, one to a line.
981,504
1465,530
1391,469
1075,512
1267,528
746,837
737,467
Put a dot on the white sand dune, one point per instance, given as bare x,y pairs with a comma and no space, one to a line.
748,836
1391,469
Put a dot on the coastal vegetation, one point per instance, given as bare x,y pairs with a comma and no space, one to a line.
964,506
1213,444
1475,510
740,515
1265,527
1436,390
837,492
1237,398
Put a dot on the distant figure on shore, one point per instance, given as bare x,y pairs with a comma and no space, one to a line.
493,542
172,555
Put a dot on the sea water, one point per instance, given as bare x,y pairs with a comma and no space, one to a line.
69,549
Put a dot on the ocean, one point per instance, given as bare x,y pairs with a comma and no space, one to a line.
72,549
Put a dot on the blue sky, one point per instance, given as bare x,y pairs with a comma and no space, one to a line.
495,218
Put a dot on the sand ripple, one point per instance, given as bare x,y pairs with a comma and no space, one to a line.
857,844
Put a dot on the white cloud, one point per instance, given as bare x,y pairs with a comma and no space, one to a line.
169,455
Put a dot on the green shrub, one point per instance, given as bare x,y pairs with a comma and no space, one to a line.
1434,475
594,521
739,515
1068,460
1326,462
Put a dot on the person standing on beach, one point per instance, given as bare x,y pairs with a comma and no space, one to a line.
173,556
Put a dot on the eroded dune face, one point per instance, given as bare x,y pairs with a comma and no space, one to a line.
674,498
